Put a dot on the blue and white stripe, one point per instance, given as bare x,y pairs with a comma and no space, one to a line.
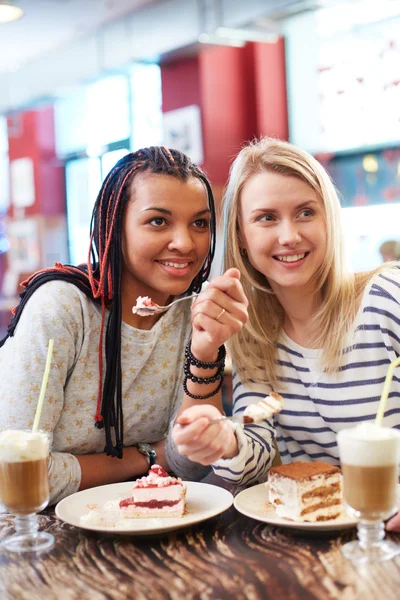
318,405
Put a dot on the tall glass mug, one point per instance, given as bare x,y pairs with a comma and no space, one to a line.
369,457
24,487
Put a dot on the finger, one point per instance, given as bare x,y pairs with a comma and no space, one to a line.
394,523
208,444
218,332
219,302
217,438
197,323
185,434
199,410
229,285
233,272
206,459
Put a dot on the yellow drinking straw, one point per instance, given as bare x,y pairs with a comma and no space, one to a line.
44,386
385,391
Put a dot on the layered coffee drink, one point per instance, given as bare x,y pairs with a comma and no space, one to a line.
369,457
24,485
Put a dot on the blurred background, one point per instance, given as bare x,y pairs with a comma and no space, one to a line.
82,82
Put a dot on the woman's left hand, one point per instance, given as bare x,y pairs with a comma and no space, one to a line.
218,313
394,523
201,441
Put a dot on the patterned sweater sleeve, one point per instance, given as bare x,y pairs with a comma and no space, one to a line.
256,449
49,313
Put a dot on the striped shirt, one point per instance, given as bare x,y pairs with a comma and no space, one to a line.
317,405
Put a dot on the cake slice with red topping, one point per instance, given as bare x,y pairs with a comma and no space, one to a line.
145,306
156,495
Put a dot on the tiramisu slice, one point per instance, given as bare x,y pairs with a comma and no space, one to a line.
156,495
264,409
306,491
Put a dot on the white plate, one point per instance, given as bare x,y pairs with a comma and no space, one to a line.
203,502
253,502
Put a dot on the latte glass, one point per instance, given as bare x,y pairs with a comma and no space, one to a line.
24,487
369,457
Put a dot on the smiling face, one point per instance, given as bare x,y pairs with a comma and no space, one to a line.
283,229
166,236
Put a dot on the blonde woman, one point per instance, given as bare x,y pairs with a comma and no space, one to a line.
318,335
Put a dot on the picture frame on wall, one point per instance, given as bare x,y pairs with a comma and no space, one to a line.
182,131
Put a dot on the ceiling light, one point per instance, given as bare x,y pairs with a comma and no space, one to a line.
9,12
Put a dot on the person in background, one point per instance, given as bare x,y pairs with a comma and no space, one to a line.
115,383
321,337
390,250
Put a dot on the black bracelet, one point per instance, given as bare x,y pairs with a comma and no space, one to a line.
206,380
192,360
197,397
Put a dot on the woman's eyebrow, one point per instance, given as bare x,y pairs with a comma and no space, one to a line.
274,210
202,212
165,211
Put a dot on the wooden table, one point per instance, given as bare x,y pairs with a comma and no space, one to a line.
229,556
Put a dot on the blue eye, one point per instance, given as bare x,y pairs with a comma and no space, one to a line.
307,212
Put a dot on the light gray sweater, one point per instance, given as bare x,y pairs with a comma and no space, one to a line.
152,368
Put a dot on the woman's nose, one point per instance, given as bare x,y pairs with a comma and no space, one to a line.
182,241
289,234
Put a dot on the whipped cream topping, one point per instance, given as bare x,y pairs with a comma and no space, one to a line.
265,408
20,446
369,445
144,306
157,477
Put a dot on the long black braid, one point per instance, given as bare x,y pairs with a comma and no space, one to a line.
100,279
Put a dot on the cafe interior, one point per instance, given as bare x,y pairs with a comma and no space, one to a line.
84,83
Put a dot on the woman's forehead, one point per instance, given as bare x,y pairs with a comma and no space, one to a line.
275,186
149,188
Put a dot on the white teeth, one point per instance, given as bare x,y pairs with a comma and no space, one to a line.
176,265
291,258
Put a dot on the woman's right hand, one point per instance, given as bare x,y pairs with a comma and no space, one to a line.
218,313
201,441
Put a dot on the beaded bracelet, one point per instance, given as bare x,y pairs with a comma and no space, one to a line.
197,397
219,364
189,375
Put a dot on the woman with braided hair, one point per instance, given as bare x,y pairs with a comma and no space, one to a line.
115,384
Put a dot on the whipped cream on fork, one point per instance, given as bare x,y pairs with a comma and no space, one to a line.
145,307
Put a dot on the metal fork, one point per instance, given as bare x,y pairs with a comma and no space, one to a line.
155,310
233,418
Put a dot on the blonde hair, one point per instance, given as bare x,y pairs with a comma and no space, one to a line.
253,349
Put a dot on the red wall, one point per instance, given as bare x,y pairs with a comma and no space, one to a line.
270,87
241,93
31,134
180,83
227,105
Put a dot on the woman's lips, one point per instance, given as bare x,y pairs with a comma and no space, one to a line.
291,261
177,269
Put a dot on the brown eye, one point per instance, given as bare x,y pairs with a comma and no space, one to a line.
201,223
157,221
